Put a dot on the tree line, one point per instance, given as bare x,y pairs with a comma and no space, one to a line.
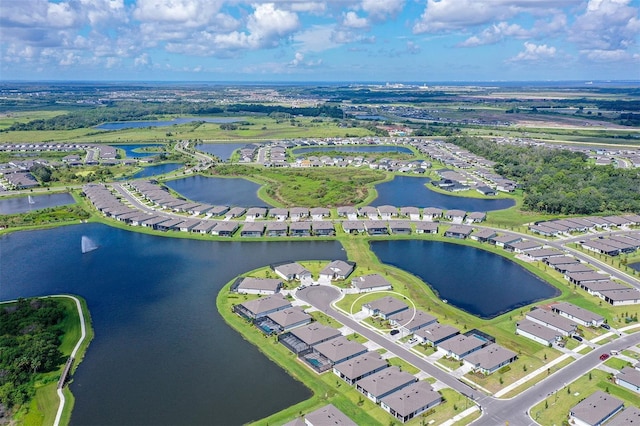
30,333
560,181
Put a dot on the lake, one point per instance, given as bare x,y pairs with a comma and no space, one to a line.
221,150
157,169
477,281
352,148
130,150
218,191
161,355
635,266
411,191
119,125
34,202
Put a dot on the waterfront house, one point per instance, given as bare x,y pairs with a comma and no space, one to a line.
483,235
577,314
353,226
384,307
431,213
594,410
218,210
205,227
476,217
327,415
256,213
503,240
337,270
290,271
300,229
383,383
252,229
225,229
308,335
411,401
583,277
276,229
455,216
349,212
552,321
537,332
251,285
290,318
458,231
339,349
323,228
412,213
372,282
376,227
359,367
522,246
261,307
387,212
400,227
369,212
235,212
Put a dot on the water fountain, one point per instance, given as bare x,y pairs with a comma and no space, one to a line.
88,244
31,200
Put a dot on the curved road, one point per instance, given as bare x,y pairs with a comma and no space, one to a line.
512,411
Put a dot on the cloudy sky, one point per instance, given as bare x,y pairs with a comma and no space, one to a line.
330,40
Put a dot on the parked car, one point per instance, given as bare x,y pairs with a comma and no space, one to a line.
394,332
605,326
578,338
604,357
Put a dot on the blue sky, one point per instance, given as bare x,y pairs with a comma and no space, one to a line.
331,40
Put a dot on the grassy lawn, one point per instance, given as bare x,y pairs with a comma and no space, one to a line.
355,337
425,350
558,405
325,319
617,363
450,363
403,365
538,378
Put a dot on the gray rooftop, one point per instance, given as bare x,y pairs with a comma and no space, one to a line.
386,305
340,348
552,319
385,381
461,344
360,365
490,356
370,281
630,416
338,267
328,415
596,407
266,304
576,311
263,284
537,330
315,332
411,398
289,316
436,332
412,318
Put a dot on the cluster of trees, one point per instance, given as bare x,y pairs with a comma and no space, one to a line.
71,213
560,181
30,333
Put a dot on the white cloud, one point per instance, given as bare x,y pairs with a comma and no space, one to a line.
186,13
606,25
317,38
142,61
456,15
379,10
352,20
534,52
607,56
496,33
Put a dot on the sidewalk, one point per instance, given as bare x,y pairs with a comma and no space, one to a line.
530,376
461,416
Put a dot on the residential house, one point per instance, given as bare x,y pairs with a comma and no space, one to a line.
455,216
290,318
323,228
431,213
225,229
251,285
279,214
537,332
411,401
376,227
372,282
359,367
629,378
328,415
490,358
339,349
387,212
476,217
552,321
435,334
337,270
400,227
460,346
412,213
353,226
483,235
298,213
458,231
290,271
577,314
258,308
627,296
319,213
595,410
426,227
383,383
411,320
300,229
384,307
276,229
252,229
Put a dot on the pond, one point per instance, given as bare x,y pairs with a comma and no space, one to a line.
354,149
34,202
157,169
412,191
218,191
634,266
476,281
161,355
221,150
119,125
133,150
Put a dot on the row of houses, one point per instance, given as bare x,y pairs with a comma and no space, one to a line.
324,348
614,245
474,348
553,228
550,324
601,408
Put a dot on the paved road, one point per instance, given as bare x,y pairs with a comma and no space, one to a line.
495,411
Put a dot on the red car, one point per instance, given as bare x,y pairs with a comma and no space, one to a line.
604,357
